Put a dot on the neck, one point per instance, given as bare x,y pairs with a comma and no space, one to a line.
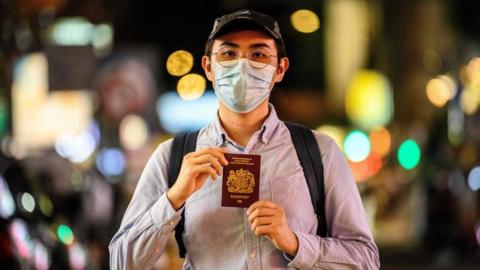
241,126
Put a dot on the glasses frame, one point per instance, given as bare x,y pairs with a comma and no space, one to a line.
256,66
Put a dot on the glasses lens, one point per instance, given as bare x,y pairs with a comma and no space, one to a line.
260,58
227,57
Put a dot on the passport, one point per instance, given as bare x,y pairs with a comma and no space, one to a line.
241,180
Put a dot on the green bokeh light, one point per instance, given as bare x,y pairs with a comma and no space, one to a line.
3,116
65,234
409,154
356,146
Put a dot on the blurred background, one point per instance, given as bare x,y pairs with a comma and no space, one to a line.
88,89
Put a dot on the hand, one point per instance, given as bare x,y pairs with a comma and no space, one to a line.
269,219
196,168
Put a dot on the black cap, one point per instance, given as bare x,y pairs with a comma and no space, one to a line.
264,22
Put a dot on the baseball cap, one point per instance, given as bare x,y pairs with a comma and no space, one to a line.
251,17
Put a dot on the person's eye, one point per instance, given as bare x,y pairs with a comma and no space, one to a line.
260,54
229,53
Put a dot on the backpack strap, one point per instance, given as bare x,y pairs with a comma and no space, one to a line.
310,157
308,153
182,145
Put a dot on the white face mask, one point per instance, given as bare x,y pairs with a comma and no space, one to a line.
242,87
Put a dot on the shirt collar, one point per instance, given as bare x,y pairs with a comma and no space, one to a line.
267,129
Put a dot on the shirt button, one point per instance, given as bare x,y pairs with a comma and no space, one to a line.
171,223
252,255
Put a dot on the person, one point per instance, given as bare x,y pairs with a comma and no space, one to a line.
244,58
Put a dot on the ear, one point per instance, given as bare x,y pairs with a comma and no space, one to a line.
207,67
281,69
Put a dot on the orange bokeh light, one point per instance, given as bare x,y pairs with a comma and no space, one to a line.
367,168
381,141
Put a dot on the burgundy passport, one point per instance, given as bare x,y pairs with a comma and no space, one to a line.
241,180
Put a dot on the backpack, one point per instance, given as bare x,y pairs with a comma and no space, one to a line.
308,153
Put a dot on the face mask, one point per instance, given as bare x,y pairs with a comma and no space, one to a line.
242,87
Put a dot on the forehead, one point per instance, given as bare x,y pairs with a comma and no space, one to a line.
244,38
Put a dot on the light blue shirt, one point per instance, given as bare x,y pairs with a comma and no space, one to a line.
219,237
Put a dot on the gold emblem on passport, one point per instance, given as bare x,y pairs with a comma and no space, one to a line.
241,180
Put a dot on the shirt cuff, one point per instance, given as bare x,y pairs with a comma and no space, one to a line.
306,255
164,216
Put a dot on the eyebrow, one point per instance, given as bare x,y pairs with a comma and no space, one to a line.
255,45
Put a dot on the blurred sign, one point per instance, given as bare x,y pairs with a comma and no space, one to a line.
39,117
70,67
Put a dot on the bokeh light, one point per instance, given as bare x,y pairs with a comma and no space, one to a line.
77,256
74,31
336,133
46,205
177,115
39,117
472,72
179,63
409,154
381,141
111,161
440,90
28,202
456,123
41,258
7,204
133,132
470,77
191,86
366,168
102,38
437,92
477,232
79,31
305,21
369,100
474,178
356,146
469,100
77,148
3,116
21,238
65,234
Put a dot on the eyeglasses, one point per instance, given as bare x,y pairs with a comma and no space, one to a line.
258,58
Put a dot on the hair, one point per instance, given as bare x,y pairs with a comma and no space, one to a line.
244,26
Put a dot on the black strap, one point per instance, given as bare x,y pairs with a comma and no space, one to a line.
182,145
310,158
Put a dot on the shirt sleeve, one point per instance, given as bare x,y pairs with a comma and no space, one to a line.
149,219
350,244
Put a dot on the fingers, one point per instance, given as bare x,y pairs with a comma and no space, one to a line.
206,169
266,230
258,204
213,157
208,159
215,151
266,218
260,221
261,212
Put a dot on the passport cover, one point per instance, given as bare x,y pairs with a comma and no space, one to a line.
241,180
